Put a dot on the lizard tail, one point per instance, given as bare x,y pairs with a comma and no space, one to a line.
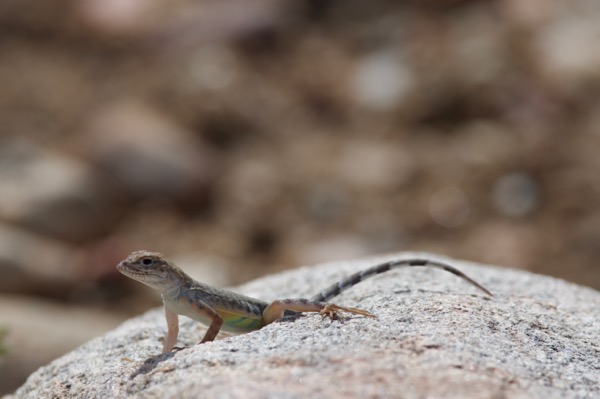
341,286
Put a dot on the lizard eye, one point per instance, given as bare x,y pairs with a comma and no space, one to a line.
146,261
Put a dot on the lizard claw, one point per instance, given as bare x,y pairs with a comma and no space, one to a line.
333,311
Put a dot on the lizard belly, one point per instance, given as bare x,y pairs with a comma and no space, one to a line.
184,308
232,321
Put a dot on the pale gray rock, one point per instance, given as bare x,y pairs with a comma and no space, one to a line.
38,330
435,336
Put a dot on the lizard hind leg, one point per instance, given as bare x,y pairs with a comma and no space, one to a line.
277,309
333,311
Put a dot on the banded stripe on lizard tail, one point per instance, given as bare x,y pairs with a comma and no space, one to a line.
350,281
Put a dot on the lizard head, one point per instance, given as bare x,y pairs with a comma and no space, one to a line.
152,269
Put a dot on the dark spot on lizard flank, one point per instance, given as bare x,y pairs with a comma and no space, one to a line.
253,309
247,307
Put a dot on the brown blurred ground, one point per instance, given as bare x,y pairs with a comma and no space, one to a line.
244,137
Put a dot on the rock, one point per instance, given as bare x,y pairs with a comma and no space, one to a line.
52,193
382,81
516,194
33,263
147,153
38,331
177,21
435,336
566,45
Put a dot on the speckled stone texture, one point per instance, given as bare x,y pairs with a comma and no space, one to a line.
435,336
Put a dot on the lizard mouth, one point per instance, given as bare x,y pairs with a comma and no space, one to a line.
121,266
126,269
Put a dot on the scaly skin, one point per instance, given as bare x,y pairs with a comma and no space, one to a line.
222,309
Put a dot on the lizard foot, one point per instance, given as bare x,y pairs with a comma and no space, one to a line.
333,311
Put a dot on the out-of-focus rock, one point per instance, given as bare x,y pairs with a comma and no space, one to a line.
53,193
478,59
372,165
122,17
39,265
148,153
515,194
449,206
30,263
178,23
512,243
36,16
566,44
382,80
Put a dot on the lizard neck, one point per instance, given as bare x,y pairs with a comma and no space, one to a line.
171,291
171,288
171,285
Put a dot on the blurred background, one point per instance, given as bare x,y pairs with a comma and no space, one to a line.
244,137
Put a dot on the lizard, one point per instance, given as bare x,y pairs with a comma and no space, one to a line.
223,309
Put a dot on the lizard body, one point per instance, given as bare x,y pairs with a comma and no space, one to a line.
223,309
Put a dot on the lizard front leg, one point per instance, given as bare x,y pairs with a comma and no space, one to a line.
195,310
277,309
172,330
215,324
